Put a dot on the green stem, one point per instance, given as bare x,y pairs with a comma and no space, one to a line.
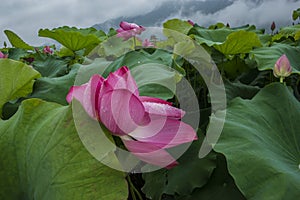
133,190
281,79
134,42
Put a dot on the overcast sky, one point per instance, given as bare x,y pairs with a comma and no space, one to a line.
26,17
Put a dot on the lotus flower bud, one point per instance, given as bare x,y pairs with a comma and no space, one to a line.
282,68
273,26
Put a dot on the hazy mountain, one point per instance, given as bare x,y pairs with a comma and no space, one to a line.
167,10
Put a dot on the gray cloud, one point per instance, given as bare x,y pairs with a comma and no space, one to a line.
28,16
257,12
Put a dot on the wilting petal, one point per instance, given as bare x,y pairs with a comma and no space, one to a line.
165,133
150,153
121,111
86,94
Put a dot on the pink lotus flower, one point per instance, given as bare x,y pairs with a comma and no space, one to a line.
282,68
128,30
147,43
47,50
146,125
2,55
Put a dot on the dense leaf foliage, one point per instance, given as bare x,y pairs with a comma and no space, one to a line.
256,157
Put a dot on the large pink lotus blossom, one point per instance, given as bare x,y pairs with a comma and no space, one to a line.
146,125
128,30
2,55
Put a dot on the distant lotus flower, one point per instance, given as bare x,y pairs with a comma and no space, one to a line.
147,43
47,50
282,68
191,22
146,125
2,55
128,30
273,26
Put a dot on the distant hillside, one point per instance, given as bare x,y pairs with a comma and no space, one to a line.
168,10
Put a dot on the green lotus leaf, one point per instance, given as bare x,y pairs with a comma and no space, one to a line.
43,158
266,57
178,25
75,39
249,28
218,36
115,46
55,89
261,143
265,39
239,42
181,180
237,89
233,68
16,80
16,41
289,31
210,37
217,25
49,65
296,14
220,185
17,53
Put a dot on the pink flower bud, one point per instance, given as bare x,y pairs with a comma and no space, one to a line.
191,22
282,67
273,26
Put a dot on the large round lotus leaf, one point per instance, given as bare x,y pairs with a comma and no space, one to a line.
75,39
43,158
289,31
261,142
191,173
239,42
178,25
16,41
16,80
266,57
